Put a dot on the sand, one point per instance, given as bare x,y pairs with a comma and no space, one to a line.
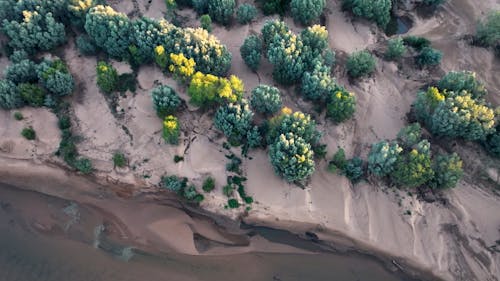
454,240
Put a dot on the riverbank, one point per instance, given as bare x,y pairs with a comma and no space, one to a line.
156,223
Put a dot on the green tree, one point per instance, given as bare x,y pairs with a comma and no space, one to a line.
488,30
246,13
119,159
414,168
234,120
428,57
109,30
55,77
307,11
18,56
28,133
165,100
208,184
85,45
458,81
354,169
383,157
338,162
221,10
270,7
206,23
174,183
32,94
271,28
22,72
410,135
107,77
266,99
317,84
83,165
395,48
448,171
10,97
284,53
341,105
492,142
251,51
360,64
378,11
416,42
292,157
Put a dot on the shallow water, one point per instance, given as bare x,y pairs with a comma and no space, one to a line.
30,252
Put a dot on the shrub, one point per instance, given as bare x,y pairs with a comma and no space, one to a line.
171,130
28,133
173,183
416,42
107,77
10,97
341,105
206,23
206,89
317,84
448,171
428,57
190,192
298,123
126,82
85,45
234,120
316,39
292,157
35,31
271,28
119,159
109,30
83,165
32,94
285,53
378,11
55,77
233,203
221,10
395,48
165,101
178,158
251,51
410,135
22,72
145,35
266,99
338,162
462,81
492,142
208,184
488,30
18,116
354,169
270,7
360,63
382,158
181,67
228,190
414,168
307,11
254,137
160,57
246,13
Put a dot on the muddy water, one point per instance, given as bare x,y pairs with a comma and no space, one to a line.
46,238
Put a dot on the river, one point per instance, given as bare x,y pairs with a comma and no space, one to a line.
48,238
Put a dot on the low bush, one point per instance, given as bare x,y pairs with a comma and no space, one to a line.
382,158
18,116
32,94
165,101
378,11
395,48
354,169
174,183
428,57
448,171
414,168
119,159
233,203
107,77
221,11
266,99
171,130
28,133
251,51
307,11
341,105
338,161
246,13
83,165
360,64
488,30
418,43
208,184
410,135
206,23
458,81
85,45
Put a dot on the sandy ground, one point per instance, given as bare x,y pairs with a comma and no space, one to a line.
455,241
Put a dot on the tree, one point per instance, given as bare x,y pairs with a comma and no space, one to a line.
146,34
78,10
32,94
298,123
360,64
458,81
208,184
107,77
284,52
271,28
307,11
378,11
414,168
109,30
35,31
266,99
55,77
354,169
18,56
338,162
246,13
251,51
341,105
292,157
174,183
83,165
418,43
200,6
85,45
448,171
492,142
221,10
28,133
395,48
383,157
488,30
165,101
428,57
206,23
171,130
270,7
410,135
234,120
22,72
10,96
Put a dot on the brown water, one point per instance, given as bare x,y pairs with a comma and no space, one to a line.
74,249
